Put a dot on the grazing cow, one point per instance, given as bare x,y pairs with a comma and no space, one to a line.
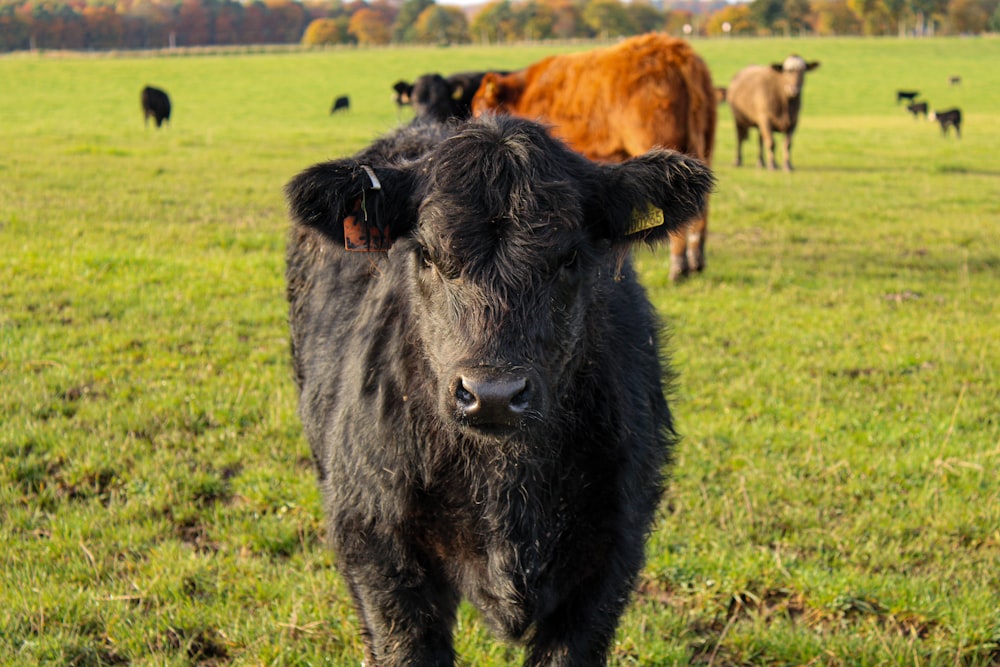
435,97
954,80
949,118
917,108
155,104
720,94
342,103
618,102
768,98
484,399
908,95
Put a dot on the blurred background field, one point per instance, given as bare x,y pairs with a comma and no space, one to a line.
836,498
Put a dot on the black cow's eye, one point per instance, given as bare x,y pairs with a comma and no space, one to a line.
569,263
569,266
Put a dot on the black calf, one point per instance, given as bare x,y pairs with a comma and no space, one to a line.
484,397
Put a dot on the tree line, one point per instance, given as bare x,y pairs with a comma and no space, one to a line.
153,24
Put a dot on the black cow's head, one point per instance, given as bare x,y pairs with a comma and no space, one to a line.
507,243
402,93
437,98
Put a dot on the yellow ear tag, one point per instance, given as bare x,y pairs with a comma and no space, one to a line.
643,220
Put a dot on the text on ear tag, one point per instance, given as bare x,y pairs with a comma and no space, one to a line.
645,219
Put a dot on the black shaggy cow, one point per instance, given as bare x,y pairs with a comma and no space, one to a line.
485,399
439,98
155,104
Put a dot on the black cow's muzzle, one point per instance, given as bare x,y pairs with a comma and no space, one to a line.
495,401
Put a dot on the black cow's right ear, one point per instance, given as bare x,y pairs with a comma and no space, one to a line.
357,205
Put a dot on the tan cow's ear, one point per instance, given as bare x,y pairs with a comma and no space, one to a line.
813,65
777,67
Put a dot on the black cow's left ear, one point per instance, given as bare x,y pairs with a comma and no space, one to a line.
357,205
650,196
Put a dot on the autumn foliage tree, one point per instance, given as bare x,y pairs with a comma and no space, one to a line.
441,25
325,31
369,28
145,24
834,17
735,16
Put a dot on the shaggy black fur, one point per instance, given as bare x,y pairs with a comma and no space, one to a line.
484,402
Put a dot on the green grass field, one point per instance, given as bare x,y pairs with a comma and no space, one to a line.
836,499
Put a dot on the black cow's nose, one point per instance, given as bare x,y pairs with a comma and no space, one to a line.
490,399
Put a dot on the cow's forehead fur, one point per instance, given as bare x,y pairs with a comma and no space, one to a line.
503,193
794,63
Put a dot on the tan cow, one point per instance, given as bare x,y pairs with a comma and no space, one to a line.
618,102
768,98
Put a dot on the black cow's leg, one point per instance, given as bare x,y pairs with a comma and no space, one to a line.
580,631
405,606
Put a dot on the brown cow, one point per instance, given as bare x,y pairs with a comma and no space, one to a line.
619,102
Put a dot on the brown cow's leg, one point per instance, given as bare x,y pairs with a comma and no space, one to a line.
678,255
696,234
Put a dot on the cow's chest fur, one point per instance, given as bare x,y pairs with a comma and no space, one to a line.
506,528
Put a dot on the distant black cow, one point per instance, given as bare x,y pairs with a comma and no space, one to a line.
341,103
485,400
954,80
917,108
439,98
155,103
908,95
949,118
